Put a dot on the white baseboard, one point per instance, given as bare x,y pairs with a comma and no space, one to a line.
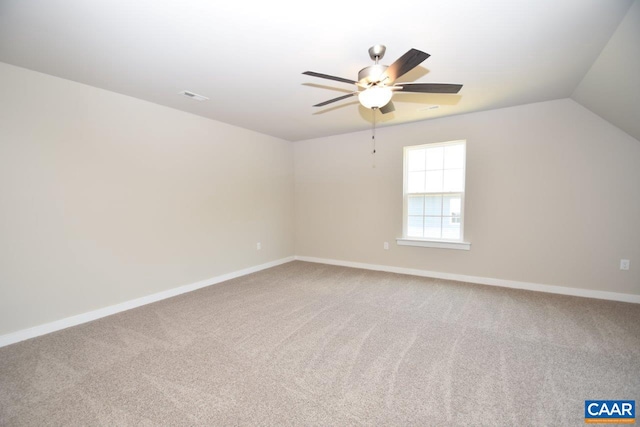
57,325
578,292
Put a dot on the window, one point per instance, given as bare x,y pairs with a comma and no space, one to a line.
434,176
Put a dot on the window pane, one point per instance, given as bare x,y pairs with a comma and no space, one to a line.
452,206
454,157
453,180
434,181
415,205
415,226
434,158
416,160
416,182
432,227
433,205
450,230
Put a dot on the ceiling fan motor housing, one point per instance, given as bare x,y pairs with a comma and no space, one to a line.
372,74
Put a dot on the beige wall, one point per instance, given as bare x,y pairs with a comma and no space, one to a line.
552,197
106,198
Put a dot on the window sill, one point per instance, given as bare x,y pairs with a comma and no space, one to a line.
442,244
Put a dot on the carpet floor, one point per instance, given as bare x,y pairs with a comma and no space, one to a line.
311,344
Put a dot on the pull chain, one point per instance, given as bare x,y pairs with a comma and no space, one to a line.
373,136
373,130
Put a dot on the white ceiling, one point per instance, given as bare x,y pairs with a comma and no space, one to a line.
247,57
611,88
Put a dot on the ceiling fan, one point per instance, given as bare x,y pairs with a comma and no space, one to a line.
376,82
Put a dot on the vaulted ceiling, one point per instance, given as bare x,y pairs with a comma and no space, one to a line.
248,58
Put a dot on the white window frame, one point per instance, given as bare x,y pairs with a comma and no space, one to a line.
432,242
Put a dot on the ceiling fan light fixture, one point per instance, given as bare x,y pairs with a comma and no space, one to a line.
375,96
376,83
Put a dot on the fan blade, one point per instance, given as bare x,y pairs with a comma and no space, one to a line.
326,76
405,63
388,108
428,87
335,99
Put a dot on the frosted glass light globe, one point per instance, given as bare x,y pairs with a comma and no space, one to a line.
375,96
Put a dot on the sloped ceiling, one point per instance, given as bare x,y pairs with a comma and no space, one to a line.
248,57
611,88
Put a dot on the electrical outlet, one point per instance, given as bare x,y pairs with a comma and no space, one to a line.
624,264
386,246
258,246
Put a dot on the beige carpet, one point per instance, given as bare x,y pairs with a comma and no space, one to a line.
310,344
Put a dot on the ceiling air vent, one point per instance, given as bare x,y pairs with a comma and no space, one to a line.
194,95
